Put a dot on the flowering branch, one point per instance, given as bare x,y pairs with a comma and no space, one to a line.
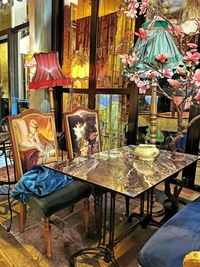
178,69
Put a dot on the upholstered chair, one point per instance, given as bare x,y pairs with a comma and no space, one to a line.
82,134
33,138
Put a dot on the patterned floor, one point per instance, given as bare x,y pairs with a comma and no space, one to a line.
68,236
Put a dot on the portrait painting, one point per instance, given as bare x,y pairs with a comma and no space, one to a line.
82,133
35,140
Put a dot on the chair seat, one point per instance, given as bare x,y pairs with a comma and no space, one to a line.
60,199
178,236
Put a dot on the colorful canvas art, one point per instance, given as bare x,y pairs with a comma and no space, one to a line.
82,133
34,136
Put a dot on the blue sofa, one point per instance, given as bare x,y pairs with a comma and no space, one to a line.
176,238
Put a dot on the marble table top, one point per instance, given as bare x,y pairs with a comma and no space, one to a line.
121,171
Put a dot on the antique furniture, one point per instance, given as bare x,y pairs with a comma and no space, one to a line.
119,171
176,238
33,138
82,135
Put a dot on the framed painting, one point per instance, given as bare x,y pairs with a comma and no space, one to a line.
33,138
82,132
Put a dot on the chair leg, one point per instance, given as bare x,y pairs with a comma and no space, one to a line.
22,217
71,209
96,210
47,235
86,214
127,206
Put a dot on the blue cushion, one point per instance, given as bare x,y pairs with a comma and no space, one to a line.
178,236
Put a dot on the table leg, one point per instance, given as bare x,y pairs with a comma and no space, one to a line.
102,250
145,219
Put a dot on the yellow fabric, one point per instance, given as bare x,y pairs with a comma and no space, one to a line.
192,259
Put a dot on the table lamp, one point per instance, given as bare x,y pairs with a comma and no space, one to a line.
48,75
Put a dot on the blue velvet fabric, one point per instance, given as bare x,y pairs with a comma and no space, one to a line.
39,181
178,236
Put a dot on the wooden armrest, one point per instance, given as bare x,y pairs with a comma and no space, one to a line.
192,259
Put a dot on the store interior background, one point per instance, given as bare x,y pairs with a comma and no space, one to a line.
34,26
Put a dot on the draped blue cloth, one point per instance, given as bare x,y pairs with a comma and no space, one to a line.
39,181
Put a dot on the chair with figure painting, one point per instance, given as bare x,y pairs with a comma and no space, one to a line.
82,134
34,142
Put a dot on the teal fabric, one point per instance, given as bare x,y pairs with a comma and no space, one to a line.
39,181
160,41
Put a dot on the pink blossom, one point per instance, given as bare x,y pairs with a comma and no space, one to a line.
176,30
124,58
162,57
153,75
196,78
197,96
192,45
144,6
132,13
192,58
168,73
188,102
132,9
135,78
143,86
133,4
132,59
142,34
174,83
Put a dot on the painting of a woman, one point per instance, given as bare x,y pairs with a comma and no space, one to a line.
34,147
84,134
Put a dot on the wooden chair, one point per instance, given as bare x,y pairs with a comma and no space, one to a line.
82,134
33,138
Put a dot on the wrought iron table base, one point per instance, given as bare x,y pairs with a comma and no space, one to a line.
107,251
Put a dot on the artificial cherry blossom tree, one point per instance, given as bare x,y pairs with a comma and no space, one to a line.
183,78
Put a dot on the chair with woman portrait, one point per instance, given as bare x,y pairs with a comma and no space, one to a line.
83,138
34,141
82,134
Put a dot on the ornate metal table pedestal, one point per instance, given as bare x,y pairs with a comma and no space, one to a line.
106,251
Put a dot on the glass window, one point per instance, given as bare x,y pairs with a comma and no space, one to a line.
76,41
113,115
70,101
5,18
116,33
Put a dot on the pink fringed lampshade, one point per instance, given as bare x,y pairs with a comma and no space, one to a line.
48,72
